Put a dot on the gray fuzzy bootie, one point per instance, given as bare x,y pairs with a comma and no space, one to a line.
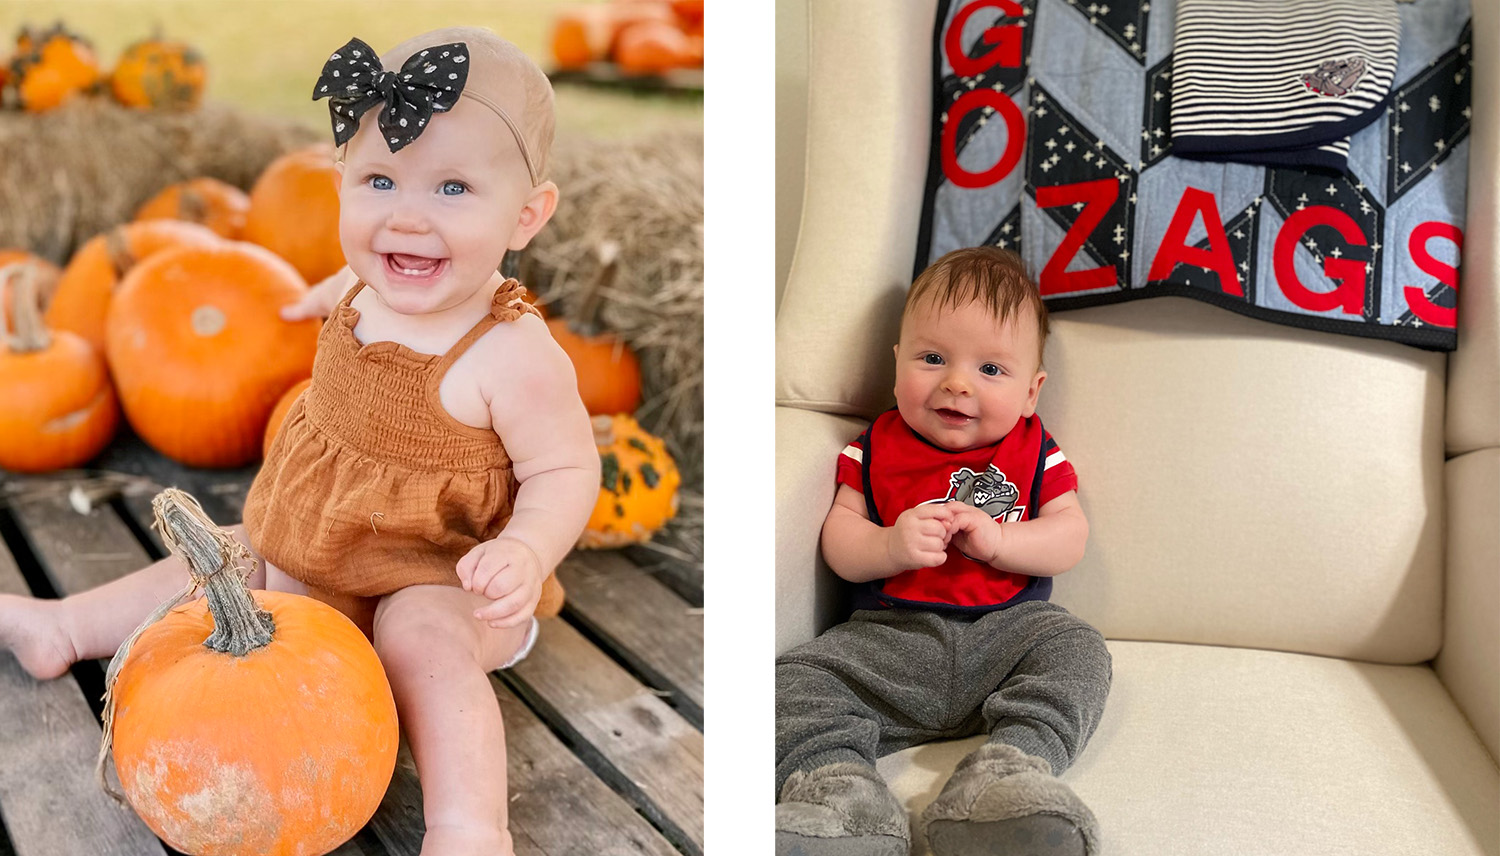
840,810
1002,800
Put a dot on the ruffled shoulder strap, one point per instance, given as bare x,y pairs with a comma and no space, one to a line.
509,302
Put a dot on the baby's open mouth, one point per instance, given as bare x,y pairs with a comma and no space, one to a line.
414,266
953,416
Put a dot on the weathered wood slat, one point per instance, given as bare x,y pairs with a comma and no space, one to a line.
646,624
642,747
48,742
557,804
79,552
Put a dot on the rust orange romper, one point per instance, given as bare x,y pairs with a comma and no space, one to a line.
371,485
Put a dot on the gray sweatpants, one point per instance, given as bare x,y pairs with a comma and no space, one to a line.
1032,676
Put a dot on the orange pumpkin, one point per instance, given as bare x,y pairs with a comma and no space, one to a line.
160,75
638,485
581,35
91,277
60,408
278,415
44,273
199,352
652,47
689,12
51,67
248,723
294,212
609,375
206,201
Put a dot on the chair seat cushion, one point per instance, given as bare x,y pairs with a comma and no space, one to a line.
1206,750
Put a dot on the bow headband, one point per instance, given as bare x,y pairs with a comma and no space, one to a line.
430,81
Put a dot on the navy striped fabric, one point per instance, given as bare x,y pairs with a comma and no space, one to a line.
1280,82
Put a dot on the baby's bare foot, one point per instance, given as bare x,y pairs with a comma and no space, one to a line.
466,841
30,629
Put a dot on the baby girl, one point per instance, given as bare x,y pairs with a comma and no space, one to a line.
441,464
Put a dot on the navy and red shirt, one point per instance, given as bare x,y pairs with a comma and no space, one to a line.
896,468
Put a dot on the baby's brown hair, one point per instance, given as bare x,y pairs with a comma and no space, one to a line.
993,277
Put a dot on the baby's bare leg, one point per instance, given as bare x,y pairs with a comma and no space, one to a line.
437,658
48,636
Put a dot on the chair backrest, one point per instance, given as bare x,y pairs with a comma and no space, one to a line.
1246,483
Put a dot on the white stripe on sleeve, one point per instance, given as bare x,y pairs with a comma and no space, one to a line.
854,453
1054,459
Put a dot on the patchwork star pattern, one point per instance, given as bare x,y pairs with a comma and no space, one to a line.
1428,116
1156,129
1061,150
1123,21
1007,235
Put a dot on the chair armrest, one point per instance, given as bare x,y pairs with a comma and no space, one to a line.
1469,662
808,595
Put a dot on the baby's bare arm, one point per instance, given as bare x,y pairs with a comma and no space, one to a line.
535,408
859,550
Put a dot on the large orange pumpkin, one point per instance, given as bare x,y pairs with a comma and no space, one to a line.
653,47
59,407
51,67
248,723
91,277
294,212
206,201
159,75
199,352
581,35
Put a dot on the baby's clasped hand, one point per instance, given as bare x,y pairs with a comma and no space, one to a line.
975,533
919,537
509,573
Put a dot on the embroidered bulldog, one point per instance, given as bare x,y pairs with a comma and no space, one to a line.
1335,77
988,491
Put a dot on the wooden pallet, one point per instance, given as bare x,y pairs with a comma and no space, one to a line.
603,721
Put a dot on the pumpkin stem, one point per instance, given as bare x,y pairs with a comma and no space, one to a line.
239,625
117,247
587,317
25,311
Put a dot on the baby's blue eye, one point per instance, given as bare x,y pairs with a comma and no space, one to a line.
990,369
380,182
454,188
932,359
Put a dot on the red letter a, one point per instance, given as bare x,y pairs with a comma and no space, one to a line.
1174,249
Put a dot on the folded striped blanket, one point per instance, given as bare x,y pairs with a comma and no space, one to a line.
1280,82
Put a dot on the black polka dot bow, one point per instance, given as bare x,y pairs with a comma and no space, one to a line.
353,81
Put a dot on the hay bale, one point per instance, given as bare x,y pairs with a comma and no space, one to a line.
647,197
71,173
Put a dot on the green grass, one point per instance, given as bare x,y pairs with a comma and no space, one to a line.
263,55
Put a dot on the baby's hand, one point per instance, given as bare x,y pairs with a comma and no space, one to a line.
975,533
919,538
319,300
507,572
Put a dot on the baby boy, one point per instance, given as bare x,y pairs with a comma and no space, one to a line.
954,511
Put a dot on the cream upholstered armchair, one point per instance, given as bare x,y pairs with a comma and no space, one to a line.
1295,536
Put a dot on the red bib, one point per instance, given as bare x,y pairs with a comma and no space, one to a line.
897,469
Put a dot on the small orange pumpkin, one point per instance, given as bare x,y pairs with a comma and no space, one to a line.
199,351
652,47
294,212
91,277
609,375
206,201
60,408
160,75
581,35
638,485
247,723
43,272
273,426
51,67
